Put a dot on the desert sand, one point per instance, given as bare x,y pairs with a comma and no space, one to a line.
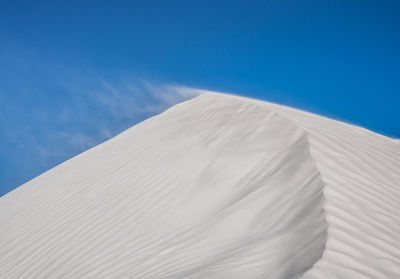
219,186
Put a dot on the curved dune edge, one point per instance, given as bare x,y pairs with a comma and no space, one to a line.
217,187
361,171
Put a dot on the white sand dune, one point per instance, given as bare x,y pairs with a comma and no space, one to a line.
215,187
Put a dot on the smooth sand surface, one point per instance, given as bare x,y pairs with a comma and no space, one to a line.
216,187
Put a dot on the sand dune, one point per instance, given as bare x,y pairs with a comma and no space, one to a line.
216,187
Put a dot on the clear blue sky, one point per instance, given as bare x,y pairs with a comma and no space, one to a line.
74,73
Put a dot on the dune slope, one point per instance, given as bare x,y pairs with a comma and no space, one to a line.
215,187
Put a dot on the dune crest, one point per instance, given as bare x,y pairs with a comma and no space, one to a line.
216,187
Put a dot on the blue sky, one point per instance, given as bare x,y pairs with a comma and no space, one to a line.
74,74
